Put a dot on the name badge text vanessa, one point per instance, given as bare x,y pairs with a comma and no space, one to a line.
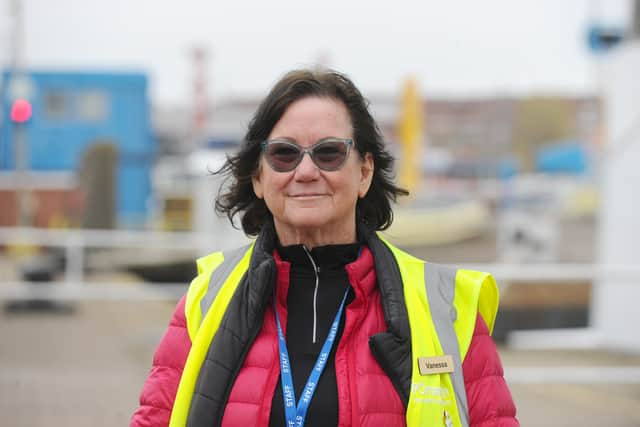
435,365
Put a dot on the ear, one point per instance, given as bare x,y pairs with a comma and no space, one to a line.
256,182
366,174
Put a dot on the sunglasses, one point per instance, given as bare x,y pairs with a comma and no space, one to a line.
327,154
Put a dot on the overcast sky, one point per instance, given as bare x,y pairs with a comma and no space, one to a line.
453,47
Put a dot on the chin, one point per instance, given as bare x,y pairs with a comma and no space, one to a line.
308,220
310,223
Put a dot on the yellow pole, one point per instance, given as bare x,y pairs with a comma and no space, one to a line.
410,136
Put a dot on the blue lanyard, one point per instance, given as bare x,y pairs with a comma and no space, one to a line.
295,415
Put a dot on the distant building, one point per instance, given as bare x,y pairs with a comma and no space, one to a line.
478,131
486,128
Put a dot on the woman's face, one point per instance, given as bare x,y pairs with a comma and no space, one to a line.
309,201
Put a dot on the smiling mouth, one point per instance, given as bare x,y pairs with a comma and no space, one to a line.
307,196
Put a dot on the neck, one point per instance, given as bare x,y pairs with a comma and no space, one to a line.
314,236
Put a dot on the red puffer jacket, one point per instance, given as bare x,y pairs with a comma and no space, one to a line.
366,395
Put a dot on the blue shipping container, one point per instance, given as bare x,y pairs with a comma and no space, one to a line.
71,110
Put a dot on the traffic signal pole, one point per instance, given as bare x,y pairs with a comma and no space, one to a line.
20,91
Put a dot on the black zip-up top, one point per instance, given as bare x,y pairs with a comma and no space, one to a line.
317,283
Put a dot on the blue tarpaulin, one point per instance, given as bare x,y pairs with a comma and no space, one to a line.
568,157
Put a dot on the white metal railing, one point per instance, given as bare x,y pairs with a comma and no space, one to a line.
74,242
557,272
589,374
74,285
103,291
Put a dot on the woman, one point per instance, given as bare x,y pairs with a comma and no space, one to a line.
320,322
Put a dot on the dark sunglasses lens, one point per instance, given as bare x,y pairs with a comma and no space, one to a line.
282,156
330,155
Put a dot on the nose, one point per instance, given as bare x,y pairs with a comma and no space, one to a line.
306,169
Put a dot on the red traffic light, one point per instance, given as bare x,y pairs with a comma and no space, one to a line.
20,111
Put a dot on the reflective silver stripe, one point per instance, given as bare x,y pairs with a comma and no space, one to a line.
219,276
441,287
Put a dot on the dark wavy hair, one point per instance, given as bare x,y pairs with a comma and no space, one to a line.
237,196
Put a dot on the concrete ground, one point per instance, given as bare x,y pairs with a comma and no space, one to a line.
87,367
604,389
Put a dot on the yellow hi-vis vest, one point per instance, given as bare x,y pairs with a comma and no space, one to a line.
442,305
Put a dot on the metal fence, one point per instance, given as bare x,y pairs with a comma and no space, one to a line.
75,286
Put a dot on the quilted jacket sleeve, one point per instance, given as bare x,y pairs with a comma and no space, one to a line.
159,390
490,402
